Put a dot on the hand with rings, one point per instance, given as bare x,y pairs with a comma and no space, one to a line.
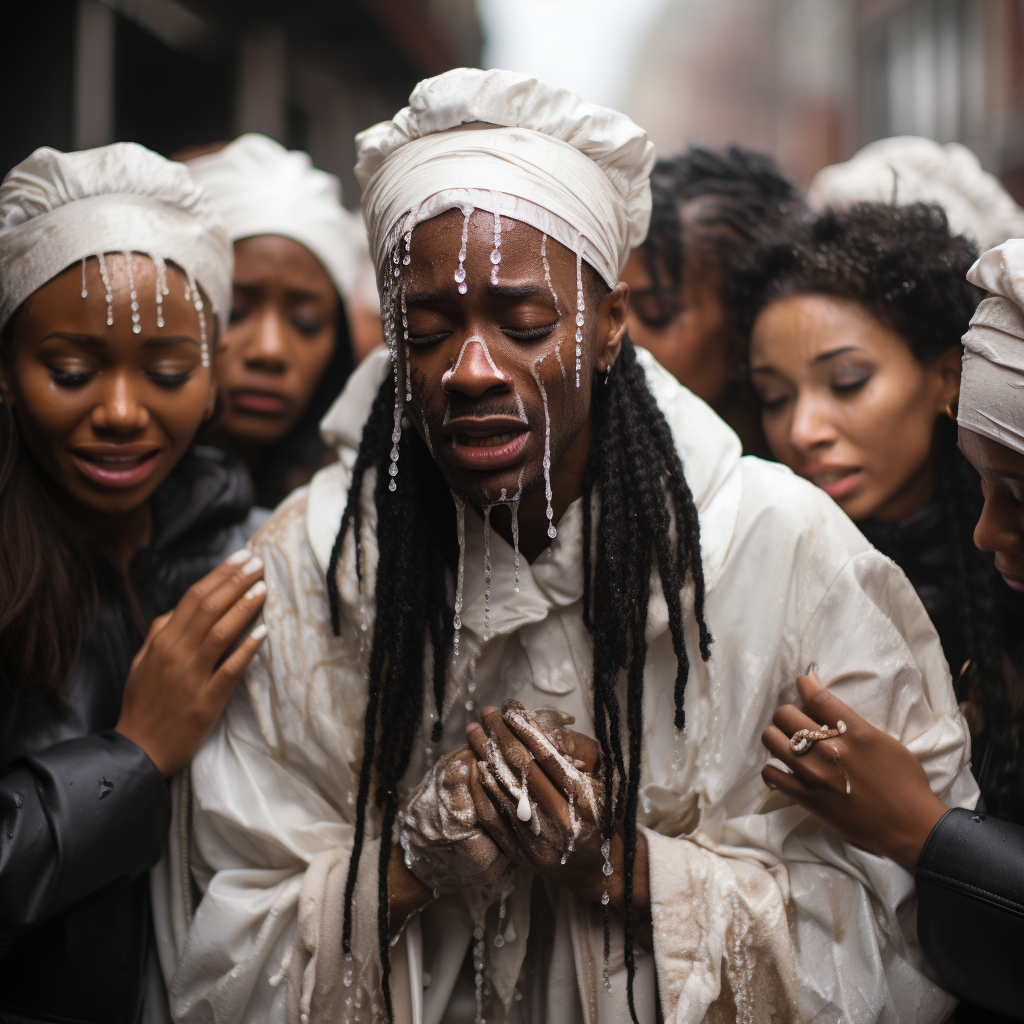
858,780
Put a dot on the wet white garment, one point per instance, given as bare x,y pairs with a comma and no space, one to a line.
757,908
260,188
992,382
911,169
58,208
510,144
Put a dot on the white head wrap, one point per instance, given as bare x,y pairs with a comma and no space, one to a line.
506,143
58,208
909,169
992,386
260,188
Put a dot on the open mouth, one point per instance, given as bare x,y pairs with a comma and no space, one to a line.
488,443
116,466
835,482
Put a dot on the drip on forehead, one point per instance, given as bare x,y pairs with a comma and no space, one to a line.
509,208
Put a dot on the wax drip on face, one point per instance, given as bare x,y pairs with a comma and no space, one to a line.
389,316
106,286
496,251
460,272
460,522
161,288
474,339
552,532
515,528
132,294
406,260
192,290
554,297
579,310
487,572
85,290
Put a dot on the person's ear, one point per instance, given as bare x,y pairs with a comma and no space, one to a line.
611,327
948,367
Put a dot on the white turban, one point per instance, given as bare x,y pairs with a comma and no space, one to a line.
58,208
909,169
506,143
260,188
992,386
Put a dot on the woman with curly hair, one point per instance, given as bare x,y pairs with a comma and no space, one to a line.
968,866
855,355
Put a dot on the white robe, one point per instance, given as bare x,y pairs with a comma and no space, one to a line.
758,911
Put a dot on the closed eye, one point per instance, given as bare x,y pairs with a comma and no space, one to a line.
530,333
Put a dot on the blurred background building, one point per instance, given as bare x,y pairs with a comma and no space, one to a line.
809,81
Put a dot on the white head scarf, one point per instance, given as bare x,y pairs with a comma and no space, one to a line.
260,188
58,208
514,146
992,386
909,169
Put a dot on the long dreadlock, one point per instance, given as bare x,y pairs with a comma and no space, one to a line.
903,265
645,514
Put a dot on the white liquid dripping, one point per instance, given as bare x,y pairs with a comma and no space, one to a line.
552,532
487,572
554,297
109,294
192,292
460,520
579,309
85,291
161,288
523,811
132,294
460,273
496,251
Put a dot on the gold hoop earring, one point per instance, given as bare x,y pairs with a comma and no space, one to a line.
949,411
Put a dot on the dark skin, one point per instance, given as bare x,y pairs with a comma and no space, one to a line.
107,414
890,809
279,342
470,357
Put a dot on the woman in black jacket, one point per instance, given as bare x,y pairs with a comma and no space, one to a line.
969,867
116,621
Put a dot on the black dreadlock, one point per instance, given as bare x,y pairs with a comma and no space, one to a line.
635,479
902,265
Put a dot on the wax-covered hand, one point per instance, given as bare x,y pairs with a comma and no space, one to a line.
560,837
180,679
864,783
442,842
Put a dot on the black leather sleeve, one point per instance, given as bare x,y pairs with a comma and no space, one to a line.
970,911
74,818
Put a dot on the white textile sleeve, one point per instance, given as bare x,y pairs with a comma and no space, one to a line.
271,846
773,914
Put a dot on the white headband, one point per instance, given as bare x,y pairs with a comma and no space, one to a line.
59,208
260,188
511,145
992,385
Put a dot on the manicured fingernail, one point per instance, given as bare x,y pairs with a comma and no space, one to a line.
240,556
770,785
253,565
812,669
258,589
472,727
259,632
